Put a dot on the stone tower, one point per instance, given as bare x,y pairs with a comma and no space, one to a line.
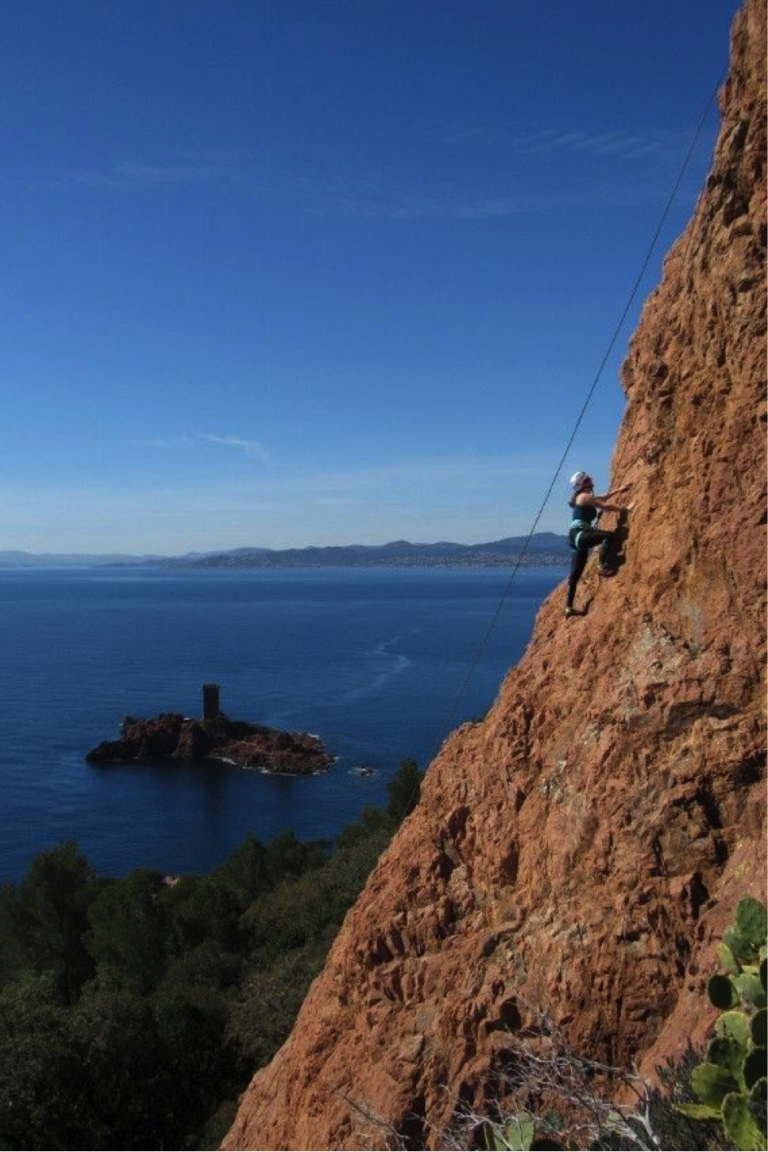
210,701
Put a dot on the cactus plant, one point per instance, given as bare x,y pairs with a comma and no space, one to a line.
727,1053
734,1024
752,922
521,1136
727,959
711,1083
517,1136
759,1106
740,1124
731,1083
750,987
754,1068
758,1028
725,1094
737,945
722,992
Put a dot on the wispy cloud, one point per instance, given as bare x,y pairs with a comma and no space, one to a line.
623,145
251,448
595,169
450,205
502,136
526,186
177,166
366,198
474,126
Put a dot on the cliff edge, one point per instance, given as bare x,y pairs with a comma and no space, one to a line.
585,844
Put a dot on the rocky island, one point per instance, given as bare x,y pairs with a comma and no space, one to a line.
171,736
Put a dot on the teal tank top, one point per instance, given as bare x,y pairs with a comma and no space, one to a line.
582,515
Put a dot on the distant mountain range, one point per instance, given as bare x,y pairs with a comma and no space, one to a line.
69,560
545,549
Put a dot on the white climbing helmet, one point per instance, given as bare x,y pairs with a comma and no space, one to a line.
578,479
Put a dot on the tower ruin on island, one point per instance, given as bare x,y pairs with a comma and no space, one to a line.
210,701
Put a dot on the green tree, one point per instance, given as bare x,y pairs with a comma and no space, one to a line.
134,1012
287,856
264,1012
127,1078
43,922
372,825
129,930
404,790
245,872
203,908
40,1069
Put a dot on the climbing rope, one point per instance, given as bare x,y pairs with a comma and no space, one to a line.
630,300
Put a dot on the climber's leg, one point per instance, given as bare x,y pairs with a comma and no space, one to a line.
578,561
590,538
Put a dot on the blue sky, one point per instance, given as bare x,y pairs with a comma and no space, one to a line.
284,272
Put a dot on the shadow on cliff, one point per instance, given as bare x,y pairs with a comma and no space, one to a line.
616,556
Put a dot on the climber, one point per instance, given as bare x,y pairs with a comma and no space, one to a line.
582,536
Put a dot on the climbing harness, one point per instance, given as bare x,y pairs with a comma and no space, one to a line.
573,540
583,523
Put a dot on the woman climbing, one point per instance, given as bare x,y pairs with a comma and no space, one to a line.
582,536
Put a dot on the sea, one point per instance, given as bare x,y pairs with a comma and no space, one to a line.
374,661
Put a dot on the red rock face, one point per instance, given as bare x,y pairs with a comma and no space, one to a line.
585,844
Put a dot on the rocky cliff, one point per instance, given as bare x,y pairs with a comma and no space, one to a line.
586,842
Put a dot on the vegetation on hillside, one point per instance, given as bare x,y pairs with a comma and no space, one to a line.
134,1011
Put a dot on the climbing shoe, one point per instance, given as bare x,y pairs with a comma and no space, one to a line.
570,612
603,570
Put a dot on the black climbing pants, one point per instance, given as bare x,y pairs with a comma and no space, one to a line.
588,538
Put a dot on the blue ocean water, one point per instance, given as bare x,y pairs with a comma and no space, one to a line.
370,660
